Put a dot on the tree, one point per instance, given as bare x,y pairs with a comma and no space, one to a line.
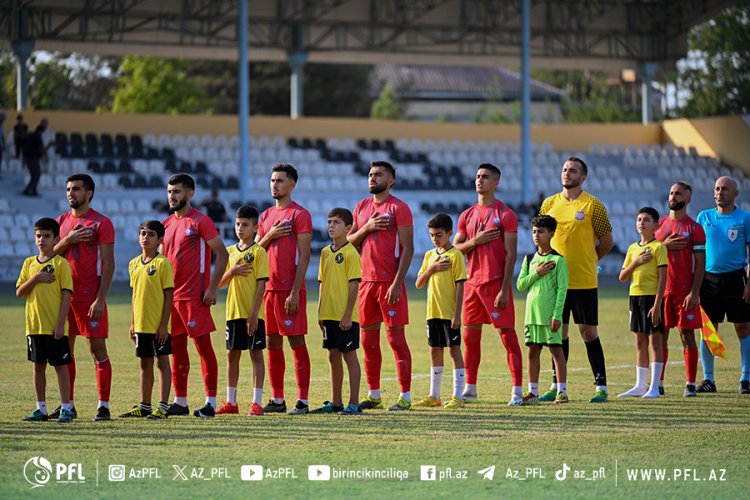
387,106
7,82
716,74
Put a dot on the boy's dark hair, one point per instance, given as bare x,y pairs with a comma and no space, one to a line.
248,212
582,163
650,211
289,170
685,185
545,221
88,182
492,168
441,221
48,224
343,214
153,225
386,165
183,179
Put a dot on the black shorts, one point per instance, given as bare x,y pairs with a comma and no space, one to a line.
584,304
440,333
640,305
146,346
238,339
47,349
336,338
721,294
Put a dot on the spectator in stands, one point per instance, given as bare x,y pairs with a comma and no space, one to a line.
2,140
20,130
33,151
215,209
48,141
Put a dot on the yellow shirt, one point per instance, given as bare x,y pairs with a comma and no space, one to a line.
579,224
148,282
441,287
645,277
43,301
242,289
337,269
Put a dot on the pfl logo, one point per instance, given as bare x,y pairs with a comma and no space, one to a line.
38,472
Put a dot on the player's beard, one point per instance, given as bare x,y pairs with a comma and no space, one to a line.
378,188
75,204
572,184
179,206
676,205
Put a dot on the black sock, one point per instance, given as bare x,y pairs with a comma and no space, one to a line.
566,352
596,360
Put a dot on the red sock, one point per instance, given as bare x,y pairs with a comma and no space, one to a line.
276,368
72,372
373,358
472,353
209,366
180,365
302,371
691,363
397,341
103,379
513,354
666,357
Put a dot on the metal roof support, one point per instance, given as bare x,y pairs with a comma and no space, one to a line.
648,72
244,98
22,50
525,101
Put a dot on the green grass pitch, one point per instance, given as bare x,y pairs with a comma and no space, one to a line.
701,445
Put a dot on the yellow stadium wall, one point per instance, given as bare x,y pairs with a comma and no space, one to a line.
727,138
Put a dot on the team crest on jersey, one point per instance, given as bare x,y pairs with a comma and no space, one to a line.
249,258
495,314
93,323
339,258
288,322
732,233
151,270
496,220
192,323
189,231
49,268
391,313
690,317
580,215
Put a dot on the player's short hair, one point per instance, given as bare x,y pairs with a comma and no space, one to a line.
153,225
288,169
545,221
685,185
651,211
48,224
441,221
248,212
492,168
582,163
88,182
343,214
183,179
386,165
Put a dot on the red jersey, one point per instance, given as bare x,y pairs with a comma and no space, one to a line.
378,250
83,257
282,252
186,248
486,262
681,263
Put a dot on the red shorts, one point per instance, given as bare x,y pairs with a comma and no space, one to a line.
676,316
277,319
79,322
192,317
479,306
374,308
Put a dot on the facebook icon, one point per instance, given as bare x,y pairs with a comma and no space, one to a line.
427,473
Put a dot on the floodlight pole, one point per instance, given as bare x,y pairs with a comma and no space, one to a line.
525,102
244,97
648,71
22,50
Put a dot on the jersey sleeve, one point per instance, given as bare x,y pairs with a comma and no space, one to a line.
207,228
425,264
628,257
320,265
661,255
546,206
303,222
24,275
526,278
106,232
353,267
746,223
562,288
166,274
230,251
403,215
261,227
261,260
461,226
510,221
458,267
65,275
600,219
131,265
699,239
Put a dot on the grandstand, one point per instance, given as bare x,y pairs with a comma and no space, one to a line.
434,175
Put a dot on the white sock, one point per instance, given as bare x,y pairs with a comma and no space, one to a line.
436,380
257,395
232,395
104,404
304,401
562,388
374,393
459,375
553,387
72,404
211,400
601,388
278,401
534,388
470,389
406,396
42,406
518,391
640,387
653,390
63,406
180,400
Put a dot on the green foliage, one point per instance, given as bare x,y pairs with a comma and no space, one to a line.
387,106
50,83
337,90
7,82
717,75
152,85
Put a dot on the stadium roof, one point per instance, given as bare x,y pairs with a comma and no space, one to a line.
602,34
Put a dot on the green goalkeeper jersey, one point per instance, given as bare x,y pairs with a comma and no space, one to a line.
546,296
